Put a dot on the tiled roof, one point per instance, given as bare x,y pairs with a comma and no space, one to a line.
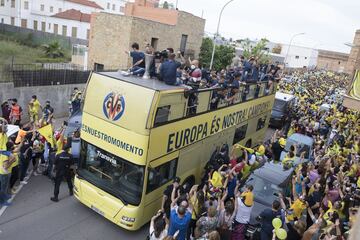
86,3
73,14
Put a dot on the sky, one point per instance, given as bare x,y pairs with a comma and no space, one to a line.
327,24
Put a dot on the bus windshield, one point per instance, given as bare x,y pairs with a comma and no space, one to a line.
112,174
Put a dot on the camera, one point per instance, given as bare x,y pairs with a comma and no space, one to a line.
161,54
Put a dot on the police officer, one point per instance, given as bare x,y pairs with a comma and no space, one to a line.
62,163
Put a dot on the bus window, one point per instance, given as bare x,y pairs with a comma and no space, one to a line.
111,173
240,133
162,114
261,123
161,175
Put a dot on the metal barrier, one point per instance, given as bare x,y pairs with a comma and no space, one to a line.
26,75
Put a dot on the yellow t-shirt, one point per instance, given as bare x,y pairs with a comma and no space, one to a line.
216,180
249,198
3,158
35,107
14,164
59,146
195,213
288,160
298,206
3,141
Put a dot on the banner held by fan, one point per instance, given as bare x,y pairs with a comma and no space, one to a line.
47,133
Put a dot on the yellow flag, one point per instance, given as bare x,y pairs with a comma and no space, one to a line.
48,134
247,149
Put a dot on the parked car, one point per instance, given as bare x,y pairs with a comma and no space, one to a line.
282,105
303,143
268,180
73,125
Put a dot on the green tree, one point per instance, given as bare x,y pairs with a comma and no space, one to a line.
277,49
258,50
222,58
53,50
165,5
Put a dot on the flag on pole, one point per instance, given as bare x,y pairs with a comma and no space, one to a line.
47,133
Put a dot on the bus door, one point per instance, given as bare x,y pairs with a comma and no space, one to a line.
189,166
160,173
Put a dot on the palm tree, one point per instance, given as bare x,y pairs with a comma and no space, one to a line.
53,50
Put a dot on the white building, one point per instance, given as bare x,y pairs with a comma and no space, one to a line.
64,17
299,57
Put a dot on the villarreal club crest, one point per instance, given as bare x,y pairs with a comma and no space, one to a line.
114,106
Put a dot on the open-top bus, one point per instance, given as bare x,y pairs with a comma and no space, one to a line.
138,134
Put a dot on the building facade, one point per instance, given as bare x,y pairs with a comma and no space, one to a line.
181,31
332,61
298,56
354,57
70,18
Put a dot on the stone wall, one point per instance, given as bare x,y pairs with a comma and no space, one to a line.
58,95
109,38
107,45
354,58
333,61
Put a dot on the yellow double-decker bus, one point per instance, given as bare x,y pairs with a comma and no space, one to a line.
138,134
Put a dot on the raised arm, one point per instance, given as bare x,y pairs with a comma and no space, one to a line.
164,198
236,192
173,199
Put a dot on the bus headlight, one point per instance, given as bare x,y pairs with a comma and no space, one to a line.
128,219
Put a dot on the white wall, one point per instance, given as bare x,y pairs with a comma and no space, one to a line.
34,12
298,57
112,6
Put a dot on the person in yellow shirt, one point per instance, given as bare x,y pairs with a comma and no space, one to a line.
34,107
4,164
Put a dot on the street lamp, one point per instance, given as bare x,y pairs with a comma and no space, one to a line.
217,33
287,53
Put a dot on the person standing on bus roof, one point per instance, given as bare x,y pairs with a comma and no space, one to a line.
168,70
63,161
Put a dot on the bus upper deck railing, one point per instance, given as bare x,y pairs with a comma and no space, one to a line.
200,101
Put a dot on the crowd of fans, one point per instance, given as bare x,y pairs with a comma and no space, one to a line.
173,69
35,142
324,198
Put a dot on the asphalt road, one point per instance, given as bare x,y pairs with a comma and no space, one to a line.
32,216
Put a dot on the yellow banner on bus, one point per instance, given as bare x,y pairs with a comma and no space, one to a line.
119,141
174,136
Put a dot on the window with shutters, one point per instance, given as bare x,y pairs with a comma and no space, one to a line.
56,28
35,25
74,32
64,30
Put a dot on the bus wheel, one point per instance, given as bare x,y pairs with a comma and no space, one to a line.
188,183
248,143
